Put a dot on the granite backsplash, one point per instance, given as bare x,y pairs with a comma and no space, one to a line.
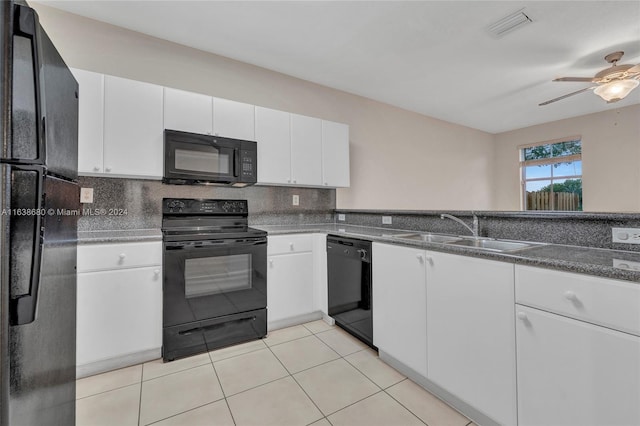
567,228
272,205
140,203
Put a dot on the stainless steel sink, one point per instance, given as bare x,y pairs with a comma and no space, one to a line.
493,245
489,244
428,238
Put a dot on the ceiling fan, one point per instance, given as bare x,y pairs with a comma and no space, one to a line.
612,84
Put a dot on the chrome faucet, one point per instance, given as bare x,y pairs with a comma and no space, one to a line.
473,230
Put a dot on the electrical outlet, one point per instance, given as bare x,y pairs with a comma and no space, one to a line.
625,235
342,217
296,200
626,264
386,220
86,195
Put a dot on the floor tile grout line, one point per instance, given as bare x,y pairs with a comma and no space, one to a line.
175,372
353,403
182,412
319,339
370,379
224,395
140,395
109,390
287,341
298,383
401,404
243,353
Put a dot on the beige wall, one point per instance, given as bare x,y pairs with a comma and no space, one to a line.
610,159
399,159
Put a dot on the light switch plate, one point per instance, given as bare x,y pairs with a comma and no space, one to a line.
86,195
386,220
296,200
341,217
625,235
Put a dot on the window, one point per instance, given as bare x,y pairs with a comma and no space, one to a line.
552,175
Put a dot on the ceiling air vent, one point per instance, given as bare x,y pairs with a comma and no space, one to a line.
509,23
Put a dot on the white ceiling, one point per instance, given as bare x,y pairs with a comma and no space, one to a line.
432,57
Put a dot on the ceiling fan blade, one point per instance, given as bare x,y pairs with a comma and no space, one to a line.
634,69
586,79
566,96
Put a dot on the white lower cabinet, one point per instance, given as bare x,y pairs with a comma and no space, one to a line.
119,313
119,308
290,285
471,332
574,373
400,304
578,349
292,270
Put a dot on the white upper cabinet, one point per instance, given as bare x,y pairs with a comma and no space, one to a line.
133,128
335,154
273,134
90,121
233,119
187,111
122,122
306,150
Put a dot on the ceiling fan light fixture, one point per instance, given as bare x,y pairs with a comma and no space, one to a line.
616,90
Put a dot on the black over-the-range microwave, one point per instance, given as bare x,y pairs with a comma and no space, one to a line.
191,159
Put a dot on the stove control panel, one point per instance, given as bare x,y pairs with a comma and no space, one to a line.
204,206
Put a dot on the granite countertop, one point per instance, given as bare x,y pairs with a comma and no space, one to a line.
624,265
119,236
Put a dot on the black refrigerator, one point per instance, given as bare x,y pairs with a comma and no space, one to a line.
38,234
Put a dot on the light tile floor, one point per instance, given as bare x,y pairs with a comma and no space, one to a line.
310,374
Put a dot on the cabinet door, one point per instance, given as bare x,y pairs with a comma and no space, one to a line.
273,135
90,121
233,119
290,289
574,373
320,285
118,313
306,150
133,128
400,304
335,154
187,111
471,332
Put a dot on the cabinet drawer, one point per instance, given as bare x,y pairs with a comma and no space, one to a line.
96,257
610,303
285,244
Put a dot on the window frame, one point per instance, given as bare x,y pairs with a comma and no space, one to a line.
523,164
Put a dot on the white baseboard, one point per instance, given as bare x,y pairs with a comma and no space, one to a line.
117,362
291,321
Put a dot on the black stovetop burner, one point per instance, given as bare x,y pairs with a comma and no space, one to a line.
186,219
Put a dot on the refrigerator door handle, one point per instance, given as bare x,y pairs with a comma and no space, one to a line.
22,307
26,25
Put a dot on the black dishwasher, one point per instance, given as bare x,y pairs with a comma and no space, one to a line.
349,276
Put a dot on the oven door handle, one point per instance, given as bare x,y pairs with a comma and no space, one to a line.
215,326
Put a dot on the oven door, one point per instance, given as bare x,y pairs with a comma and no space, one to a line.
215,295
204,280
193,158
